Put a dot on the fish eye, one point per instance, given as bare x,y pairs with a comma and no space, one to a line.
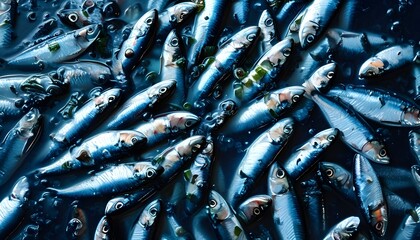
90,30
280,173
212,203
163,90
287,129
330,75
188,123
105,229
73,17
174,42
149,21
295,98
181,15
310,38
286,52
134,140
119,205
150,173
329,172
111,98
331,138
251,37
382,152
256,211
378,226
370,73
268,22
153,212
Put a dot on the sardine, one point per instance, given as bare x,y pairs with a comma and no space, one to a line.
254,208
133,109
146,224
18,142
223,219
307,155
369,195
383,107
258,157
410,227
287,214
103,230
339,179
387,60
344,229
320,79
55,50
315,20
355,132
264,110
268,31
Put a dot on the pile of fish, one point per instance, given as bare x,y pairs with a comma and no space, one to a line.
208,119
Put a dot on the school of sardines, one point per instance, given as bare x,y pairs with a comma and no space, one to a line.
209,119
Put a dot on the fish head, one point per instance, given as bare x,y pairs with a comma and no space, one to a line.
281,131
376,152
372,67
191,145
253,208
308,32
29,127
324,138
413,218
20,190
182,120
150,213
147,171
266,23
218,209
347,227
108,99
335,174
131,139
245,38
278,182
102,230
89,33
115,204
147,21
411,117
284,98
161,90
378,218
172,46
72,17
182,11
320,80
279,53
46,83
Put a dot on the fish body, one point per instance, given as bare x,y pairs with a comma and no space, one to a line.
146,224
344,229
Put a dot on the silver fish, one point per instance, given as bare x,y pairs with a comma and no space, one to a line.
56,50
253,208
355,132
320,79
268,31
369,195
383,107
103,229
387,60
287,213
146,224
410,227
7,21
315,20
307,155
18,142
344,229
339,179
258,157
224,221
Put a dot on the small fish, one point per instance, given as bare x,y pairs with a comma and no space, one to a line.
254,208
223,219
55,50
307,155
103,230
387,60
386,108
287,214
268,31
355,132
339,179
18,142
315,21
258,157
132,110
409,228
344,229
369,195
146,224
264,110
112,181
136,45
320,79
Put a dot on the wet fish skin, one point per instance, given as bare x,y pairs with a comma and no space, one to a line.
386,108
263,110
254,208
18,142
387,60
315,21
78,18
103,229
231,54
77,225
355,132
307,155
314,207
339,179
287,216
320,79
56,50
176,227
344,229
409,228
268,31
258,157
241,11
146,224
415,171
369,195
223,219
133,109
